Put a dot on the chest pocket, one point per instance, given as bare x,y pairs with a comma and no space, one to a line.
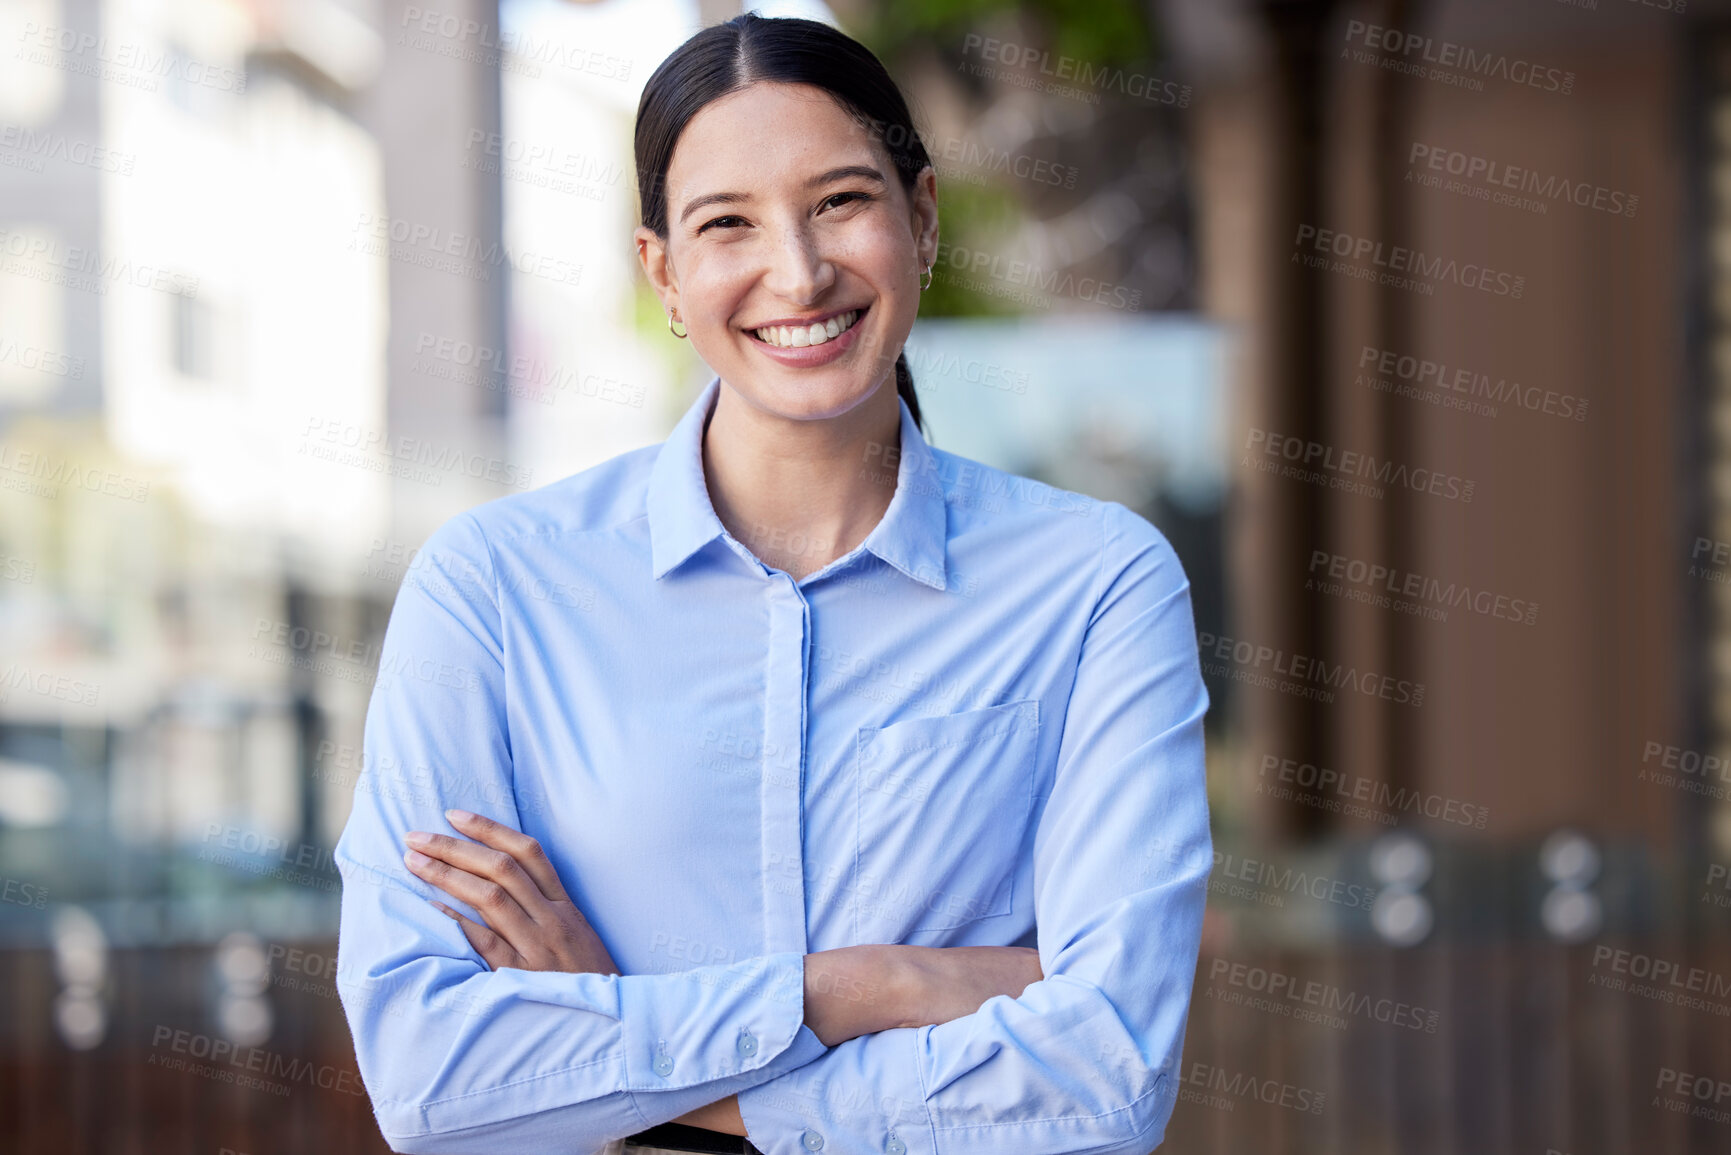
944,805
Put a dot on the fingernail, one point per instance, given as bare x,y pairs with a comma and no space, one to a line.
417,838
416,858
459,816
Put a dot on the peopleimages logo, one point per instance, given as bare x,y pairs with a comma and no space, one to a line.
1488,179
1686,770
41,360
1309,1000
1389,588
1289,672
1349,469
1098,77
49,474
134,65
1665,974
1451,62
467,254
60,687
42,258
45,145
1684,1093
1349,788
1269,877
1398,259
471,40
1439,383
420,460
252,1067
21,893
525,375
1200,1078
972,264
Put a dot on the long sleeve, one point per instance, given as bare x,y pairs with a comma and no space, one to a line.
458,1058
1087,1059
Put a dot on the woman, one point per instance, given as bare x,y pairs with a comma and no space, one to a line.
721,786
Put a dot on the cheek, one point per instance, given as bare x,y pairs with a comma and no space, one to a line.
712,286
889,251
896,272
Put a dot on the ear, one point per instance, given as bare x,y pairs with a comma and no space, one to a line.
923,216
652,255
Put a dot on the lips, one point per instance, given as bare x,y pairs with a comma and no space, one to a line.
804,336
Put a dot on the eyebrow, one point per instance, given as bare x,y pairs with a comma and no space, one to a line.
861,171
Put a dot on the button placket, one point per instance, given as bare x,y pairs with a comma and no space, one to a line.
782,799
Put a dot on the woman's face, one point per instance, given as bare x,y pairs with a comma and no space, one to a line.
784,213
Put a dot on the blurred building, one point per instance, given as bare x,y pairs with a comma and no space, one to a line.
263,326
1470,249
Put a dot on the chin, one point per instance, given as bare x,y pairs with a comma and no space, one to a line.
807,396
814,400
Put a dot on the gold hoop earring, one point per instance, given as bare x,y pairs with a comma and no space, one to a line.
671,318
929,279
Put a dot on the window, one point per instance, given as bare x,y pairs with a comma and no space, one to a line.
194,338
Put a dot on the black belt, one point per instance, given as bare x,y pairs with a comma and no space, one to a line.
681,1137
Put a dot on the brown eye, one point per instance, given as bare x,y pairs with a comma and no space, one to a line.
723,222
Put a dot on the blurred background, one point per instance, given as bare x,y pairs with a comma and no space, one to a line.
1408,322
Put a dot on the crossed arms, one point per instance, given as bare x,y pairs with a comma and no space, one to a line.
532,924
459,1056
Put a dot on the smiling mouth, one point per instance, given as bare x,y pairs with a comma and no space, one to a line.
802,336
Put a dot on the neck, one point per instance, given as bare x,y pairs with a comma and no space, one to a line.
800,494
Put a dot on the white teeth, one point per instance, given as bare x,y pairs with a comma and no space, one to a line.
802,336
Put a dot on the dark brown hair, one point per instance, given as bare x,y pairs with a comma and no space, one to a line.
727,57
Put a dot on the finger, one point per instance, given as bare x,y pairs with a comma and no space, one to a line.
526,850
495,951
483,862
485,895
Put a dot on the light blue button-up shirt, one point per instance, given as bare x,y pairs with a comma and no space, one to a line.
982,726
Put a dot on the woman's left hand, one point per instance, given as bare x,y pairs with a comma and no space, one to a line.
531,923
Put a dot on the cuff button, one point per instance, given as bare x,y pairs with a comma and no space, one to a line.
812,1140
748,1044
895,1147
663,1066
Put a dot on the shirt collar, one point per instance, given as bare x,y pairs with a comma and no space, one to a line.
910,536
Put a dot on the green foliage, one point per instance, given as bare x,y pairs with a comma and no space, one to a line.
1097,33
969,217
1113,32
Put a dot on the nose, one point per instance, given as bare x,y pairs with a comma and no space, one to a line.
799,272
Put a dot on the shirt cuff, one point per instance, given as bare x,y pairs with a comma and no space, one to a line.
693,1027
864,1096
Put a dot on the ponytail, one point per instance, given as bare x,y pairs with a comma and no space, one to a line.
905,390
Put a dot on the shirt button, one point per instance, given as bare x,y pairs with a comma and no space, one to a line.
663,1066
895,1146
748,1044
812,1140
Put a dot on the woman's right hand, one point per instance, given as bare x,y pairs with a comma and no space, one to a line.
859,990
532,924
